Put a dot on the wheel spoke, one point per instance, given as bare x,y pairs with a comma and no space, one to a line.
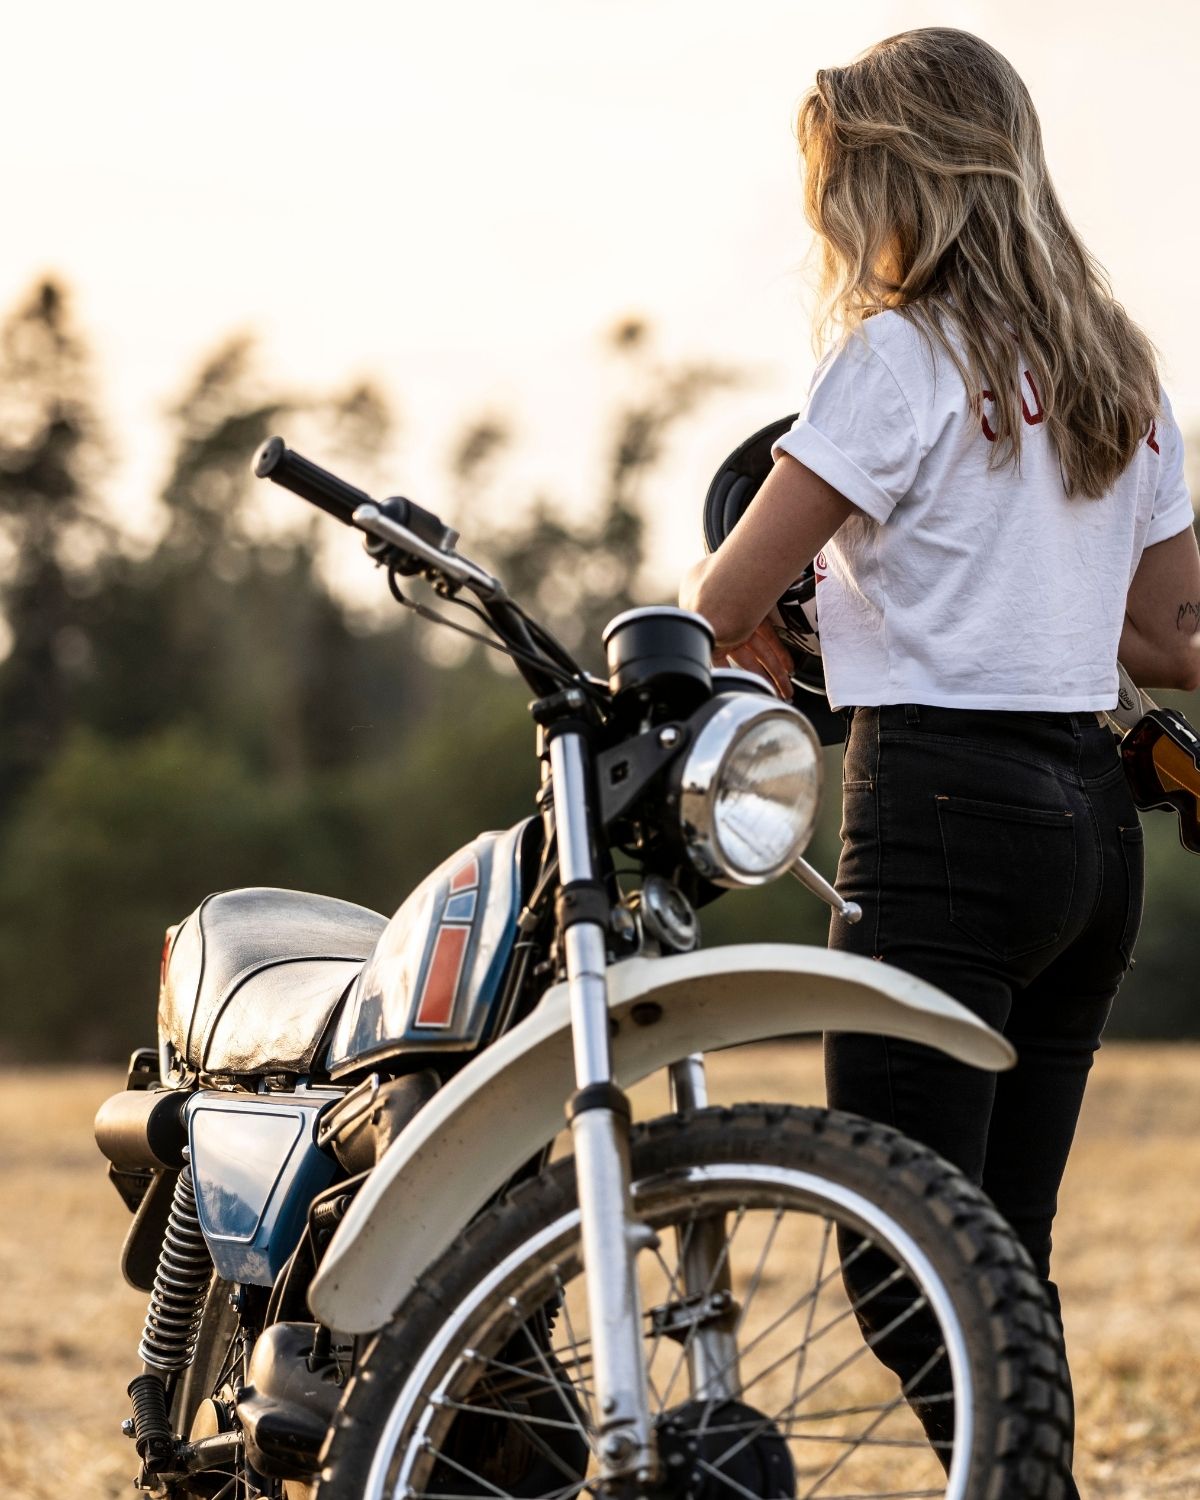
507,1414
808,1297
744,1310
722,1429
444,1458
727,1479
577,1375
523,1372
811,1492
836,1322
810,1338
818,1281
689,1338
756,1278
571,1412
674,1289
837,1369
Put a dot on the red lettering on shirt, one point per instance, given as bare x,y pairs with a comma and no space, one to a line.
983,421
1032,418
1151,441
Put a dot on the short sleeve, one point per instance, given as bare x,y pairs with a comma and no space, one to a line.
857,430
1172,511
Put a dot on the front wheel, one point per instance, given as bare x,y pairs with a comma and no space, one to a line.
867,1326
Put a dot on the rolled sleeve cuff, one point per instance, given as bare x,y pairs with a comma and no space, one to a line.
1176,518
816,452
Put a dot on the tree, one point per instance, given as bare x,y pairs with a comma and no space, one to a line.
54,536
229,623
578,574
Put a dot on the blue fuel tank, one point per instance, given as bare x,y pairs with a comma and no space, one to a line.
435,977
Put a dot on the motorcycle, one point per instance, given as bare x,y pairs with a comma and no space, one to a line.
368,1272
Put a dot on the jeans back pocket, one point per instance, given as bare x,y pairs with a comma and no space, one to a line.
1010,872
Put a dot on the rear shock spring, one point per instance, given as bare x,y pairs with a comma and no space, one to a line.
180,1284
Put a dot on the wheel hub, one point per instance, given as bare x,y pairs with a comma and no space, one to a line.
722,1452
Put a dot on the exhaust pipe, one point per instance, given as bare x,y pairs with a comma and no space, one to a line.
143,1130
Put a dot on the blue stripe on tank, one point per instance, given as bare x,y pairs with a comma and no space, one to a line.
460,908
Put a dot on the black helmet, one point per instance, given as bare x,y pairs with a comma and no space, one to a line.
733,487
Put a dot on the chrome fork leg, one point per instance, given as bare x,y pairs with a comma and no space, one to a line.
710,1340
599,1116
689,1083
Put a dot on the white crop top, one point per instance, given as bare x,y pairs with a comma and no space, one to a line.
952,584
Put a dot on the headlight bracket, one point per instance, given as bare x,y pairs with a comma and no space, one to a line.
624,772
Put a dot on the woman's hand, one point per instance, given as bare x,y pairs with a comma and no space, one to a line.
763,652
790,519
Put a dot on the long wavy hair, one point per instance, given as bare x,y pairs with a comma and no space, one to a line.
927,186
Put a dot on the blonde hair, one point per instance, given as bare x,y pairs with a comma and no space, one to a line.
927,185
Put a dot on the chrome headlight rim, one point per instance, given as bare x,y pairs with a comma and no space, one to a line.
716,742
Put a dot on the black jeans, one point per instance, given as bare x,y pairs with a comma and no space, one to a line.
999,856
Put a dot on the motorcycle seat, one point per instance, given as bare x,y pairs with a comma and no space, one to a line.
252,977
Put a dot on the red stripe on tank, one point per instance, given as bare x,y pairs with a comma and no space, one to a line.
467,877
436,1005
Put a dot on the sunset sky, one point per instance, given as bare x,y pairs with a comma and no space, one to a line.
460,198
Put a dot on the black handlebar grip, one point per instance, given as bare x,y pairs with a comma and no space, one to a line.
281,465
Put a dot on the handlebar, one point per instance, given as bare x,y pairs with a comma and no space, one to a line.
399,529
414,540
282,465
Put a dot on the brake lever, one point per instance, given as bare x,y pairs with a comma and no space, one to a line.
819,886
371,519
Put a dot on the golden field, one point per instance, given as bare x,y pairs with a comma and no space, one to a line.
1127,1260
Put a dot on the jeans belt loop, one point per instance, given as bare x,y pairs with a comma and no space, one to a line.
912,715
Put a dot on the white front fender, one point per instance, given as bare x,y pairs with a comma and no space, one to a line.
508,1102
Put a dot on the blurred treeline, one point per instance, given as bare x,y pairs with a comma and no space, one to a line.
200,702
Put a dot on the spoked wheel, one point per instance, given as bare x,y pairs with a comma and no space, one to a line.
830,1311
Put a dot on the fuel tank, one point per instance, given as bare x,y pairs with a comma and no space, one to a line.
434,979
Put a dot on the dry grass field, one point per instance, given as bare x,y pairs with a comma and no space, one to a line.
1127,1254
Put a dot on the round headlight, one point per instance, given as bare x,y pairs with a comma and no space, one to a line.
749,790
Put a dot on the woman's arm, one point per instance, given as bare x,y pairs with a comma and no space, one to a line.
1160,640
787,523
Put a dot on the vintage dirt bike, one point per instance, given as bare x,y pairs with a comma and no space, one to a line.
368,1273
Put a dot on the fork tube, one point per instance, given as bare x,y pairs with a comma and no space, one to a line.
599,1115
712,1350
689,1083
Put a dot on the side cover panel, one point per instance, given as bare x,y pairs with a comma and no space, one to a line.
256,1168
433,979
507,1103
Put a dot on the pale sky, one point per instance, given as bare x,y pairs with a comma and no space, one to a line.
460,198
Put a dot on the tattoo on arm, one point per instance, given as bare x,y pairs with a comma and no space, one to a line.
1188,617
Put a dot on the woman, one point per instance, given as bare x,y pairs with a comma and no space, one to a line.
991,480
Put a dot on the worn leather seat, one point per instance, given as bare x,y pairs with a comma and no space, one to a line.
253,977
